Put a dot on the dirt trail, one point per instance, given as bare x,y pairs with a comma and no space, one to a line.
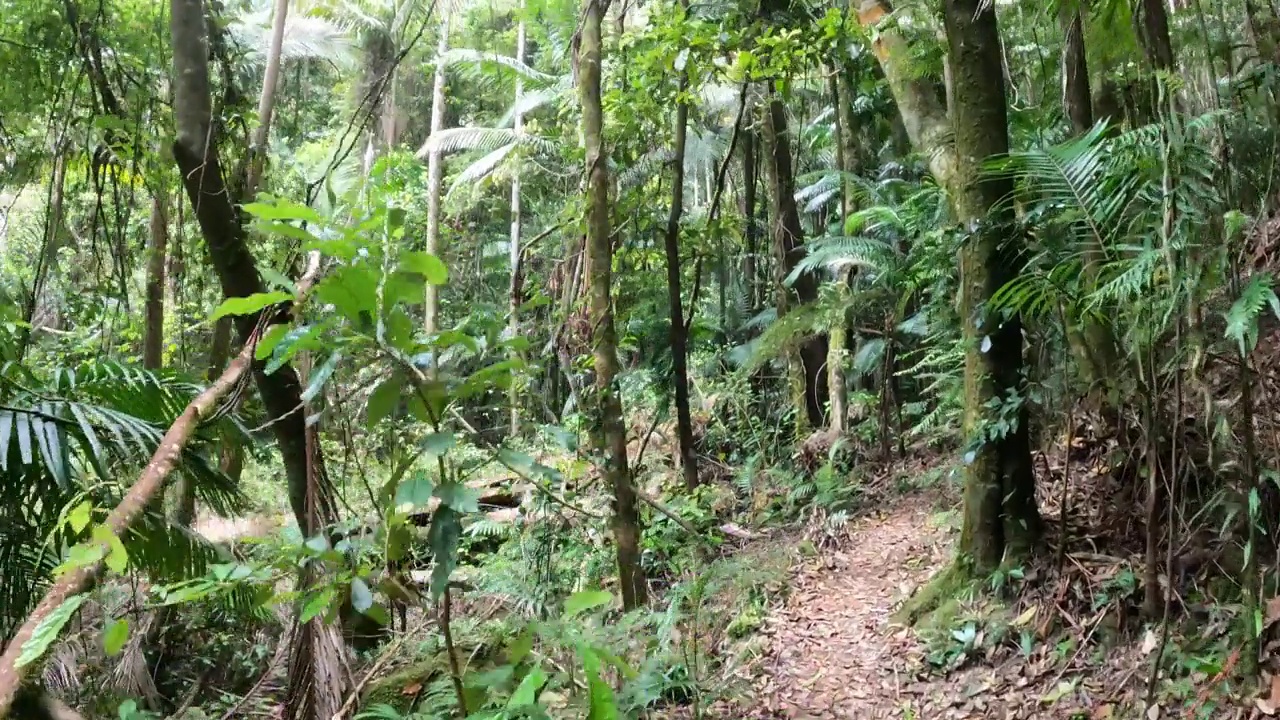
833,653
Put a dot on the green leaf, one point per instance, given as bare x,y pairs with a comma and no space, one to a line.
430,267
117,556
81,555
458,496
249,305
584,600
527,692
443,536
275,278
47,631
319,376
115,636
280,209
361,597
520,648
316,604
414,493
437,444
382,400
601,704
78,518
267,343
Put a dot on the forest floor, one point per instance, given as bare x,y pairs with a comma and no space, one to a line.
834,651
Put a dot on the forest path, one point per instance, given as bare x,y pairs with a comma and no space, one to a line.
833,652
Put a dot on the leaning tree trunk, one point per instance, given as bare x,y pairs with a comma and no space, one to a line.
679,332
516,290
808,369
611,432
196,152
1000,516
435,175
267,100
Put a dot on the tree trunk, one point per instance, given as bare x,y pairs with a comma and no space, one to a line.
611,433
679,336
267,100
196,152
153,334
1000,516
435,175
513,318
1092,341
751,236
1151,20
808,370
838,352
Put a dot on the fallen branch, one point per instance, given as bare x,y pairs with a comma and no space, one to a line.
121,518
146,489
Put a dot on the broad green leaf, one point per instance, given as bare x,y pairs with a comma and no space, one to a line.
585,600
115,636
316,605
47,631
438,443
520,648
414,493
430,267
249,305
275,278
458,496
527,692
361,597
601,704
303,337
78,518
443,536
281,209
81,555
267,343
117,556
382,400
283,229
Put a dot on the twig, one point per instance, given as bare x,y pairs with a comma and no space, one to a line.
455,671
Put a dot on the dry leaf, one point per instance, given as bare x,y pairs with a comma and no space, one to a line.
411,689
1025,617
1103,712
1153,712
1273,611
1271,704
1149,643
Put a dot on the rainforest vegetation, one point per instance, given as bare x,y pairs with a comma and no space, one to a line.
417,359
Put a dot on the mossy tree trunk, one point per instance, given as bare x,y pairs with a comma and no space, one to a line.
1001,520
611,432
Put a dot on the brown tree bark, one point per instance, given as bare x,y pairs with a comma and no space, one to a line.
435,176
1151,20
678,333
611,434
1001,521
788,249
838,353
153,332
751,236
1077,99
267,100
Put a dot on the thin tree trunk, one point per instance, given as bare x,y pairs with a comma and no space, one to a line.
678,334
1091,340
435,174
838,353
750,234
513,319
808,369
153,335
267,100
1000,516
611,432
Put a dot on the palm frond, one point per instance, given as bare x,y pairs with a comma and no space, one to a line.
486,139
